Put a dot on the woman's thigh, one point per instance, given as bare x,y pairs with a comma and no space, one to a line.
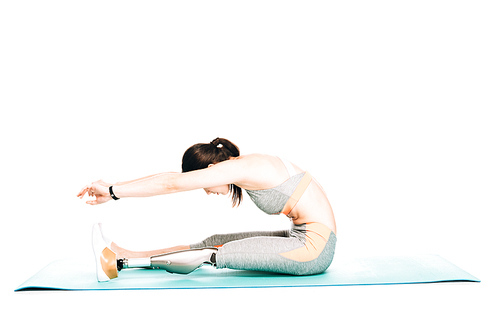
309,250
218,240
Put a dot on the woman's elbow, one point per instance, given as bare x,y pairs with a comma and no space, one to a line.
169,183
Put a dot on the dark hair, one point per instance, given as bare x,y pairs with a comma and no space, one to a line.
199,156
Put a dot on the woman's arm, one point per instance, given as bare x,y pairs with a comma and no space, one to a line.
146,186
153,185
142,178
226,172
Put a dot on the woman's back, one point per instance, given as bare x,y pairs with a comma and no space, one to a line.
269,172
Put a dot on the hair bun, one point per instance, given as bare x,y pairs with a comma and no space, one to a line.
216,143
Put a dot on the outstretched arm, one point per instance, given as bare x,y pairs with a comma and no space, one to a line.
131,181
143,187
227,172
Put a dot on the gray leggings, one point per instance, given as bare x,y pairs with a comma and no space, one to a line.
293,252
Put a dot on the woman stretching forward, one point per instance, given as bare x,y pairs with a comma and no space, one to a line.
274,185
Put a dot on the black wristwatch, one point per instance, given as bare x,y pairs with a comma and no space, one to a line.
112,194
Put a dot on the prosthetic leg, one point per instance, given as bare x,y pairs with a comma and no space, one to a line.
179,262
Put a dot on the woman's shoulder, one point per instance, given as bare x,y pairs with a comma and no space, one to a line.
258,161
262,171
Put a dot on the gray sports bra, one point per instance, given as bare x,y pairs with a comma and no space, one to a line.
284,197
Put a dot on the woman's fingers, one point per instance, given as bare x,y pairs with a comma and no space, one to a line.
82,192
88,189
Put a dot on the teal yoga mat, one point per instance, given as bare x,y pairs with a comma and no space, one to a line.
72,274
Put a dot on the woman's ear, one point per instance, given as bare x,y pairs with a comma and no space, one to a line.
210,165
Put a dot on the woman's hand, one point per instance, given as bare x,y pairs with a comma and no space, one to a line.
99,190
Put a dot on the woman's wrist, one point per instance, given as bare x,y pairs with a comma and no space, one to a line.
144,187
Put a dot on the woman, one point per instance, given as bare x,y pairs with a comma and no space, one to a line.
274,185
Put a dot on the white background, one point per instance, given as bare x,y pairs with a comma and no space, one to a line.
391,105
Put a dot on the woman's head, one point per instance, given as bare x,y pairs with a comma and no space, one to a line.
201,156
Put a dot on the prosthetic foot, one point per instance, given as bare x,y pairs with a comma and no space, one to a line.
105,258
180,262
